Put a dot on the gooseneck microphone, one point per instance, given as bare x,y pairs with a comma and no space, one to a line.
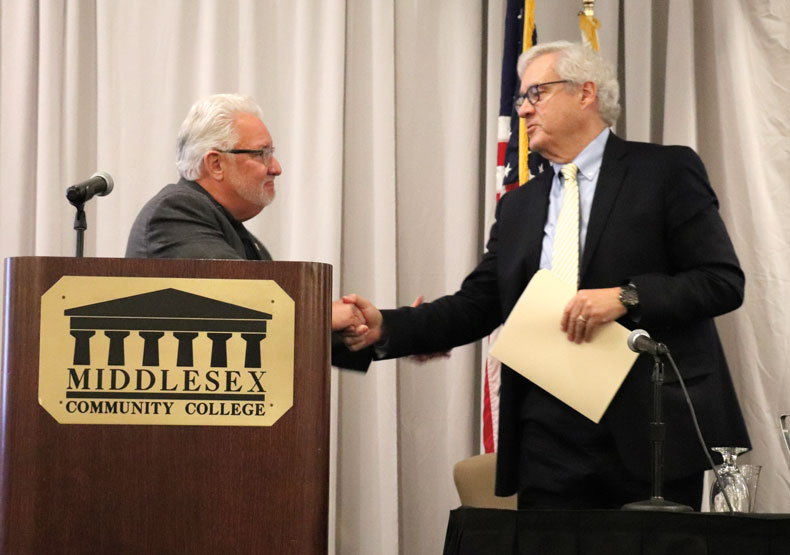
639,341
100,183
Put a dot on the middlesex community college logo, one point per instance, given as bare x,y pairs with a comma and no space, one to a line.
166,351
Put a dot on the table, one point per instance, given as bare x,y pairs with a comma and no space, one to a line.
492,531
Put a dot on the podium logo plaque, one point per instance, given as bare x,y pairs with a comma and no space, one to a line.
166,351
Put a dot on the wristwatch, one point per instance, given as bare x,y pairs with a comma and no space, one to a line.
629,297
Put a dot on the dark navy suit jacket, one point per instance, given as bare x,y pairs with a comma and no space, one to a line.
654,222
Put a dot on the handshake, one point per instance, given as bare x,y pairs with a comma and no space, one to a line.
357,322
360,324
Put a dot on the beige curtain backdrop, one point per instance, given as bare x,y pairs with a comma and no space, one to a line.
384,117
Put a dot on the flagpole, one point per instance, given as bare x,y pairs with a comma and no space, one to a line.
523,141
589,25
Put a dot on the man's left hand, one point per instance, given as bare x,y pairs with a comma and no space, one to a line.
590,309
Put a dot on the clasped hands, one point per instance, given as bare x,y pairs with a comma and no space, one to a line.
360,324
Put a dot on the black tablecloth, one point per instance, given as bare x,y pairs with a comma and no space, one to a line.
490,531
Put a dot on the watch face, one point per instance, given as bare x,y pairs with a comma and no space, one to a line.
629,297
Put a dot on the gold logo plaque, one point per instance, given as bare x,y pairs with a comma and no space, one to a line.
166,351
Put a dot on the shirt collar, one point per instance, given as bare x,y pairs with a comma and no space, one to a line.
589,160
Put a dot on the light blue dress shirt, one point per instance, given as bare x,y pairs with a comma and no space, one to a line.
589,163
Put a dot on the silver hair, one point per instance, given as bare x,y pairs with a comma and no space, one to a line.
210,124
578,64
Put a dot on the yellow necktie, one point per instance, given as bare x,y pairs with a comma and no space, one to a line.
565,256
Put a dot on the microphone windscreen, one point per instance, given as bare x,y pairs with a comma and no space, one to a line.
633,336
108,179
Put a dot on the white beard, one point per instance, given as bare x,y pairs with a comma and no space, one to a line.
256,194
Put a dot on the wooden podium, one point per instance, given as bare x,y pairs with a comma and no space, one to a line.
86,488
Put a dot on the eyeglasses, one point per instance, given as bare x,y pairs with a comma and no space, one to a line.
265,154
533,94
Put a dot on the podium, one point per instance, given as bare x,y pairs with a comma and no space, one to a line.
148,488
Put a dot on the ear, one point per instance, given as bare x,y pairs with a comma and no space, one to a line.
589,93
213,166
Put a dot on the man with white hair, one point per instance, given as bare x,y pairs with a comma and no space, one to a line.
648,249
225,156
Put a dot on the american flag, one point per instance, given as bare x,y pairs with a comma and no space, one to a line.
520,35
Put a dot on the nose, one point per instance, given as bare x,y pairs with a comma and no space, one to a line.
274,167
525,109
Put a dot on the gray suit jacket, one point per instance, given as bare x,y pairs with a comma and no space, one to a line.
184,221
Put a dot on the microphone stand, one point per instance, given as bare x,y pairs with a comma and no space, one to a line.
100,183
80,225
657,435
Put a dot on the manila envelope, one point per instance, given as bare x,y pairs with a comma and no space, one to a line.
585,376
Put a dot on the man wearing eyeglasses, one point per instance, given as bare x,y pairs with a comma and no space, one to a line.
651,252
225,157
227,165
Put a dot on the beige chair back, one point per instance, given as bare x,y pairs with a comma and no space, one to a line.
474,480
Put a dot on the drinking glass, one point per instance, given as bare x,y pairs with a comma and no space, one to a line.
732,481
784,423
751,473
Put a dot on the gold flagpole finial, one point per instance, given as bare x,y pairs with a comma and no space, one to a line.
589,25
